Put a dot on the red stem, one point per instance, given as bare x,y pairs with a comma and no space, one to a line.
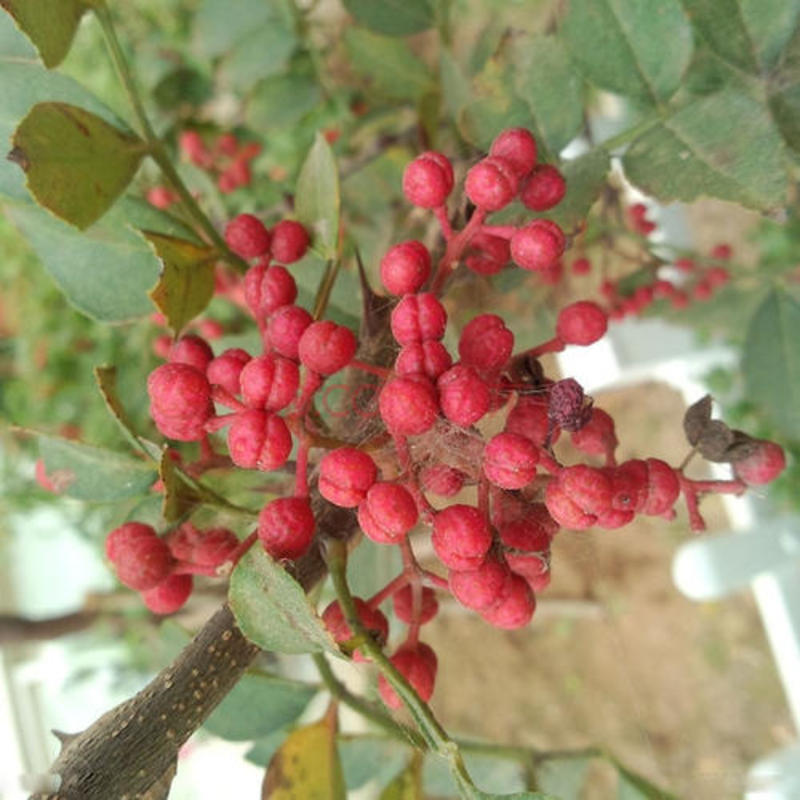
225,398
440,212
503,231
455,247
393,586
381,372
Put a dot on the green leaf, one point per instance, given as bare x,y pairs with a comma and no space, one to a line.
771,361
382,60
264,749
76,164
317,197
408,784
370,758
23,83
258,705
186,282
630,47
12,41
306,767
486,770
179,497
393,17
555,100
693,153
50,26
784,93
93,473
281,101
585,177
264,51
748,34
216,30
563,777
272,609
634,787
106,271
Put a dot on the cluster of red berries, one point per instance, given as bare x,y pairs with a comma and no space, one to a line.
161,569
495,551
227,158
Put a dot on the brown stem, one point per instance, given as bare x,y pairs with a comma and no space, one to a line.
14,630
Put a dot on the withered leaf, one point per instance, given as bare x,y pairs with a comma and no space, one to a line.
696,418
715,439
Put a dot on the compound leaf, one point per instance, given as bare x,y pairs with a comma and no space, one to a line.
76,164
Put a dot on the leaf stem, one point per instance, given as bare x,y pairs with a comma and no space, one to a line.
631,133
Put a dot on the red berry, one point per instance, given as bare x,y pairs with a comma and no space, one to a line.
486,343
247,236
193,147
538,245
387,513
518,146
191,350
564,510
428,358
529,418
629,485
267,288
418,317
492,183
226,368
533,567
428,180
761,466
161,197
180,401
722,252
285,326
259,440
269,382
544,188
717,276
515,608
461,537
441,480
509,461
408,405
482,587
527,535
463,395
120,538
417,664
371,618
286,527
403,604
170,595
345,476
213,547
326,347
289,241
663,487
598,436
487,254
581,266
588,487
141,561
406,267
581,323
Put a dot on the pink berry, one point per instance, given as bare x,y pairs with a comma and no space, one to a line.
538,245
141,562
463,395
269,382
492,183
598,436
247,236
763,465
428,358
581,323
259,440
461,537
372,619
527,535
194,148
515,609
482,587
326,347
120,538
544,188
564,510
180,401
486,343
509,461
487,254
441,480
267,288
518,146
722,252
533,567
285,326
387,513
581,266
428,180
286,527
418,317
226,368
417,664
629,485
403,602
530,418
588,487
191,350
213,547
170,595
613,518
406,267
289,241
408,405
345,476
